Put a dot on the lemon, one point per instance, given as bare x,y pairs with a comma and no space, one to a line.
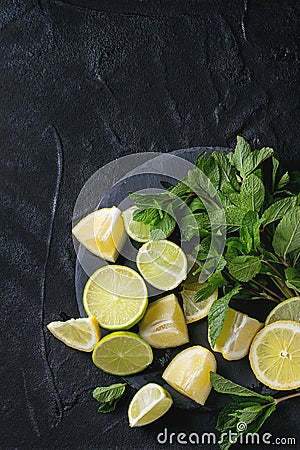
81,334
149,404
195,311
286,310
116,296
163,324
189,373
122,353
237,334
138,231
275,355
162,263
102,233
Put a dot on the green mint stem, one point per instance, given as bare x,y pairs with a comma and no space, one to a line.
287,397
265,288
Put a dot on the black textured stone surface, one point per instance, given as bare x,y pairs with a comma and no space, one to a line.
80,87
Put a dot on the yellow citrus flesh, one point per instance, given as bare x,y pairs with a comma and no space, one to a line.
195,311
102,233
163,324
189,373
237,334
275,355
117,296
81,334
138,231
286,310
149,404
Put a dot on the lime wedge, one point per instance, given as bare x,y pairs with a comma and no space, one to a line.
286,310
116,296
162,263
138,231
149,404
122,353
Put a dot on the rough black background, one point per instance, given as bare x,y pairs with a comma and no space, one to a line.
85,82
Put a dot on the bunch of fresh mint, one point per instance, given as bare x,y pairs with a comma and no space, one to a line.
245,198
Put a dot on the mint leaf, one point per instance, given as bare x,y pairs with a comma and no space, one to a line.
234,217
244,268
287,234
242,151
249,232
252,193
163,226
227,171
275,165
108,396
278,210
225,386
292,278
217,314
145,215
255,159
284,180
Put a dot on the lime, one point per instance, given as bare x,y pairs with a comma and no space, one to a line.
163,324
122,353
149,404
116,296
275,355
138,231
286,310
189,373
162,263
81,334
102,233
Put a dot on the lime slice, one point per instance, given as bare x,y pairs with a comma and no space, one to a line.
149,404
189,373
237,334
81,334
122,353
116,296
162,263
102,233
275,355
138,231
286,310
195,311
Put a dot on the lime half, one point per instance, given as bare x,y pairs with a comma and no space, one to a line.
138,231
149,404
116,296
162,263
286,310
122,353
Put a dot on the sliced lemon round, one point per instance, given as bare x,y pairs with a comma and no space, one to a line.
149,403
237,334
116,296
194,311
162,263
286,310
122,353
189,373
275,355
163,325
102,233
81,334
138,231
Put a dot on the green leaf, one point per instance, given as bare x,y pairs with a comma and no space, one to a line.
255,159
242,151
292,276
162,226
287,234
278,210
181,189
234,217
211,170
252,193
249,232
200,161
196,205
108,396
217,314
244,268
203,293
284,180
154,200
255,427
225,386
227,171
145,215
275,165
193,224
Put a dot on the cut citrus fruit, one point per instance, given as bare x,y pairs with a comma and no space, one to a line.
102,233
237,334
189,373
116,296
149,404
122,353
162,263
194,311
275,355
163,324
138,231
286,310
81,334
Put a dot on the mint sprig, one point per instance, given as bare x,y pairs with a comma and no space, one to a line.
108,396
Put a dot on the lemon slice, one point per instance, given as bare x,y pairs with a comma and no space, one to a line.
116,296
122,353
162,263
149,404
195,311
102,233
138,231
275,355
237,334
189,373
286,310
81,334
163,324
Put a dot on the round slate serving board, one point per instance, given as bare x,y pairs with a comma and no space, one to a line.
238,371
